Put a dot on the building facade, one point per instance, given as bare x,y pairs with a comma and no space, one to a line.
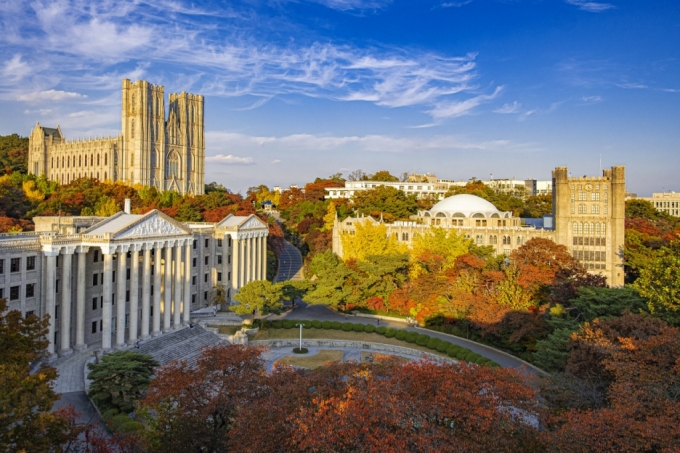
106,282
152,150
588,219
668,202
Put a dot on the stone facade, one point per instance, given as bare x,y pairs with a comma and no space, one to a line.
105,282
152,150
588,219
668,202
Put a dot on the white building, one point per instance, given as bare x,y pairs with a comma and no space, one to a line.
668,202
105,282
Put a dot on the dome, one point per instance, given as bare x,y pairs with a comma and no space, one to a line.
464,204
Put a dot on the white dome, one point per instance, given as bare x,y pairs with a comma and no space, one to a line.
464,204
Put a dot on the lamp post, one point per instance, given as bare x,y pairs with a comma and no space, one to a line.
300,336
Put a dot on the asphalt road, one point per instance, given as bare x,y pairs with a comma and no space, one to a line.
290,264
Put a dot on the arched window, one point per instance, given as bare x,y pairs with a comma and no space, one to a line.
62,161
154,161
80,160
132,129
604,228
105,176
479,239
97,159
582,209
173,166
106,159
97,175
132,104
596,209
68,161
92,159
52,163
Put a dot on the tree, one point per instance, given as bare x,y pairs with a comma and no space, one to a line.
193,406
292,290
447,243
119,379
387,201
370,238
381,275
13,154
331,281
218,296
384,175
356,175
329,218
261,295
659,282
26,399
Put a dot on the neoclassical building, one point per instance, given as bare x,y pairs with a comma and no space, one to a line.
588,218
106,282
152,150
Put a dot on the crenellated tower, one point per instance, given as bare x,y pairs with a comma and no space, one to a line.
185,154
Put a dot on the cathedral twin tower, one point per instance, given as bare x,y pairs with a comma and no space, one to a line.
167,154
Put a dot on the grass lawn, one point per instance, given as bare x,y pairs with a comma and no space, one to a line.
278,334
312,361
227,330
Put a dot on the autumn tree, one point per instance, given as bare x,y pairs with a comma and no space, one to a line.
447,243
370,238
13,154
659,282
259,295
391,203
193,406
385,176
331,281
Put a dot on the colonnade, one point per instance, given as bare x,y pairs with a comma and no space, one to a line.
249,253
171,296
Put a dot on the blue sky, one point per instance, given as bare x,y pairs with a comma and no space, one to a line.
297,89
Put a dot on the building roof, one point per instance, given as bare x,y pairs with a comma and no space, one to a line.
114,223
51,131
464,204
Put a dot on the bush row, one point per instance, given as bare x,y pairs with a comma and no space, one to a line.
446,347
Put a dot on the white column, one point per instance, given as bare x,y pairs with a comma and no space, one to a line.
80,298
167,288
263,258
134,293
177,294
235,260
187,281
120,295
256,258
249,260
66,265
106,308
146,292
50,296
226,266
158,251
241,264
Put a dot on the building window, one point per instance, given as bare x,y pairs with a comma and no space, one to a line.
193,298
96,256
229,276
219,242
173,166
207,242
127,274
195,244
582,209
404,236
94,326
2,266
30,290
219,259
595,209
113,277
205,278
15,265
94,303
30,313
127,296
152,269
595,196
95,279
206,260
56,286
14,293
30,263
205,295
2,293
219,276
193,262
151,290
193,280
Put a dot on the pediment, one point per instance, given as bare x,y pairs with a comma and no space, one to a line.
253,223
155,225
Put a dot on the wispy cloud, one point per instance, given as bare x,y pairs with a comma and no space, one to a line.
276,161
591,99
632,86
515,107
49,95
593,7
455,4
16,69
452,109
230,159
41,112
352,5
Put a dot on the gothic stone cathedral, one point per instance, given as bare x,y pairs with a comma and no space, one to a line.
151,150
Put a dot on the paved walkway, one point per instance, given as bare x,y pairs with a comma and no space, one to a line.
290,264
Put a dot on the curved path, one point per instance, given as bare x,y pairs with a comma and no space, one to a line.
290,264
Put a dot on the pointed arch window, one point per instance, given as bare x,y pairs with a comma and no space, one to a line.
132,129
173,166
97,159
106,159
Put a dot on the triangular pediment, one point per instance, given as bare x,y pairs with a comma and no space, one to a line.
252,223
153,224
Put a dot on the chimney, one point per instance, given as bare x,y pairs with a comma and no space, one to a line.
126,209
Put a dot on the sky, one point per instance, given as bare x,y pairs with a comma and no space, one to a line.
299,89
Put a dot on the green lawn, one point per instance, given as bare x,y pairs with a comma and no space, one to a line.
277,334
312,361
227,330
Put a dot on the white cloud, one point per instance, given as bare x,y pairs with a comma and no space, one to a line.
591,99
452,109
349,5
509,108
276,161
593,7
39,112
632,86
81,114
16,69
455,4
230,159
49,95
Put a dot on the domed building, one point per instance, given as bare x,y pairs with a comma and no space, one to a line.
587,218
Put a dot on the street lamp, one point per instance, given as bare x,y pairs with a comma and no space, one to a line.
300,350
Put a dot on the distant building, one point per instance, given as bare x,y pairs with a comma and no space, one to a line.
152,150
668,202
588,219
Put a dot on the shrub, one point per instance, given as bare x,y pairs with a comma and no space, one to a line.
359,327
287,324
277,324
381,330
460,355
433,342
483,361
117,421
369,328
265,324
472,357
327,325
130,427
401,335
443,346
391,332
306,324
346,326
317,324
494,365
453,351
411,337
110,413
422,339
336,325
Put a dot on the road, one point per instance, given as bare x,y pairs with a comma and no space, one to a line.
290,264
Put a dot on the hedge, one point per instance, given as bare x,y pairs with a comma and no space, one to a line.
422,339
443,346
346,326
336,325
277,324
381,330
433,342
306,324
401,335
369,328
265,324
390,332
327,325
316,324
358,327
411,337
287,324
462,353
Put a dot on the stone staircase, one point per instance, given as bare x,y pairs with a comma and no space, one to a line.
184,344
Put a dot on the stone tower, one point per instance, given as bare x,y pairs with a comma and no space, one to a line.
185,144
589,217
